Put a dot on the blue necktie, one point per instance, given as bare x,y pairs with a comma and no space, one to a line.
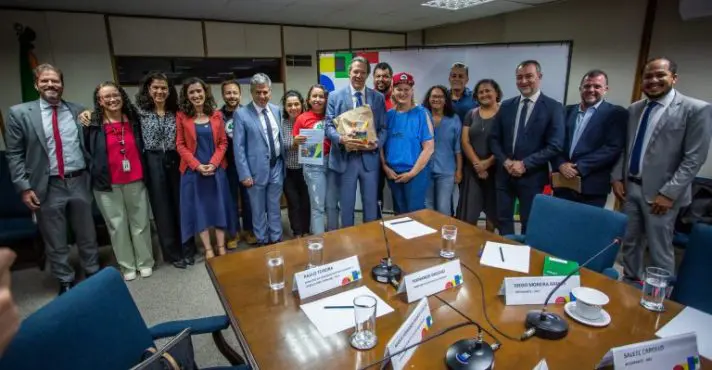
639,139
522,122
359,101
270,139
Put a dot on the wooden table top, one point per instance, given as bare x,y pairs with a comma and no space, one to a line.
275,334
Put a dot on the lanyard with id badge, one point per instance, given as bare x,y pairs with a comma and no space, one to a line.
125,163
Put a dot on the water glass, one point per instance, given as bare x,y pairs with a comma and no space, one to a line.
275,269
365,316
449,236
315,248
655,286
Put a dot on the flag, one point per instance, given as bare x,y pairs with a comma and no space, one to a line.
28,62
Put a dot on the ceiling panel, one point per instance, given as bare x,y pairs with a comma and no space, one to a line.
386,15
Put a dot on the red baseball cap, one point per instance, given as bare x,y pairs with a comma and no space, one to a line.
403,77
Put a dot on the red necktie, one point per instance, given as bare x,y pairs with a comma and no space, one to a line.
57,142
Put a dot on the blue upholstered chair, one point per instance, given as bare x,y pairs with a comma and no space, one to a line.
97,325
692,286
574,231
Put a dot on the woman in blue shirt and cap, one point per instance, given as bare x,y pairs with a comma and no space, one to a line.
408,148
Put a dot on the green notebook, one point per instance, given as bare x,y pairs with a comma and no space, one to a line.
557,267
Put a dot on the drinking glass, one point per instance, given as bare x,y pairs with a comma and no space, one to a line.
275,269
315,248
449,236
655,286
365,316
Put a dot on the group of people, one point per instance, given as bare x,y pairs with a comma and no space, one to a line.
202,167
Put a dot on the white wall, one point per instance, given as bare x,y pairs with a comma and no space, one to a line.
606,34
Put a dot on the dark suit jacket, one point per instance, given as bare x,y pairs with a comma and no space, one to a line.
598,148
541,141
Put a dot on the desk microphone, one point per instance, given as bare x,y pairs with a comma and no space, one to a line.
549,325
471,354
386,272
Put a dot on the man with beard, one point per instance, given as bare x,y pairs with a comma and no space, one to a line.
595,135
382,75
48,164
668,139
232,94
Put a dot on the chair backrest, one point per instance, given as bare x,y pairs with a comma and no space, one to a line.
693,287
11,205
96,325
574,231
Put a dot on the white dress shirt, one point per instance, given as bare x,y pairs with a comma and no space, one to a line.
653,120
68,131
353,95
273,123
530,109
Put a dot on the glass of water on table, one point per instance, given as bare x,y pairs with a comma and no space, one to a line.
315,249
275,269
448,237
364,337
655,288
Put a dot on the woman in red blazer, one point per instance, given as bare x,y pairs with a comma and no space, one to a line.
201,142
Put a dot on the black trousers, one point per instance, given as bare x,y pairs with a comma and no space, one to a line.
163,182
596,200
298,207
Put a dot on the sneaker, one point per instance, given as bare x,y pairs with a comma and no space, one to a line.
249,237
130,276
146,272
232,244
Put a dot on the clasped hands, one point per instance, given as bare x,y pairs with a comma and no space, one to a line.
398,178
481,167
568,170
352,144
206,169
515,168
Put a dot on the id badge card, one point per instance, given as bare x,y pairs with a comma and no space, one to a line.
126,165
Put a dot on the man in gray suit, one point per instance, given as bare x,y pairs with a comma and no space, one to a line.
259,157
48,161
668,138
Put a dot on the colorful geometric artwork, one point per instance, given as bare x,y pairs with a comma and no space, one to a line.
692,363
455,282
426,326
334,67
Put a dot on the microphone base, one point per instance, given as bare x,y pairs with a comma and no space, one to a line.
548,325
385,274
470,354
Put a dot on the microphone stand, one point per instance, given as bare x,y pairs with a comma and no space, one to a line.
386,272
549,325
471,354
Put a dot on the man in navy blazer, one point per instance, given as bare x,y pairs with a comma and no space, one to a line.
259,157
351,160
527,133
595,135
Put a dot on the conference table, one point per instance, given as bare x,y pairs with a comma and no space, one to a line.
275,334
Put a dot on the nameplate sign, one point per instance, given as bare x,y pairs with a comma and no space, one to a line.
322,278
675,352
413,330
431,280
534,289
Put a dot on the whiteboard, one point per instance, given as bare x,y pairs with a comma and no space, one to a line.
431,65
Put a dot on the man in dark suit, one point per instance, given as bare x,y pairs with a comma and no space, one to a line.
48,161
527,133
595,135
351,160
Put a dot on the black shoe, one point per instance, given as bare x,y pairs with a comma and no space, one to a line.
65,287
180,264
190,260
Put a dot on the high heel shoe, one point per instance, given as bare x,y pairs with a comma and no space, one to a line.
222,251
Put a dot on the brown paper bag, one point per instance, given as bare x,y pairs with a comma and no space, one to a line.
559,181
357,124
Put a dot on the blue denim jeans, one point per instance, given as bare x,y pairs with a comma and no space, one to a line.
440,193
323,197
410,196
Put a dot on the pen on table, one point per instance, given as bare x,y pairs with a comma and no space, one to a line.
482,249
337,307
501,254
401,222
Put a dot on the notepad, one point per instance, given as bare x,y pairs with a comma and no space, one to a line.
331,321
516,257
695,321
408,228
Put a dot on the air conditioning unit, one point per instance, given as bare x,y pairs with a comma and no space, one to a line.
691,9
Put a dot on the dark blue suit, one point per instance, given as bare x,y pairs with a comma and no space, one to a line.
539,142
596,151
363,166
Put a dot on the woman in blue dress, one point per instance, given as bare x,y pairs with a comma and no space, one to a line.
408,148
201,141
446,163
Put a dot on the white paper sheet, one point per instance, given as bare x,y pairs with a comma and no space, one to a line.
695,321
312,152
542,365
331,321
516,257
408,228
